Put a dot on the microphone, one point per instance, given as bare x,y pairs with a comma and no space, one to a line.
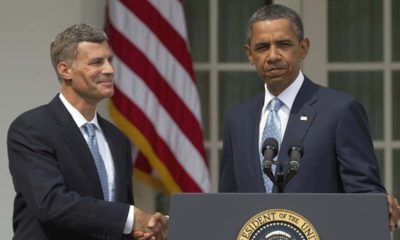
269,150
295,152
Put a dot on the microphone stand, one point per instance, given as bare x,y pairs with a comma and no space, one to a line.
280,178
295,153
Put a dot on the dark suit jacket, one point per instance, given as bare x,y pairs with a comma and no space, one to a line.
57,187
338,150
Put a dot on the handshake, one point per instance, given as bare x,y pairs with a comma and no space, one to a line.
149,226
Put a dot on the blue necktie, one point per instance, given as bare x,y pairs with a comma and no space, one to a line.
89,129
272,129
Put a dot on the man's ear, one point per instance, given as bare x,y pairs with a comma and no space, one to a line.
247,48
64,71
305,46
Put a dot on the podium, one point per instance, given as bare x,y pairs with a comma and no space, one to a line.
242,216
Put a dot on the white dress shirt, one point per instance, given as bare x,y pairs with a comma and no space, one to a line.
287,97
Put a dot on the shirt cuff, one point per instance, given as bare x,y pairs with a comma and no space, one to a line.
129,220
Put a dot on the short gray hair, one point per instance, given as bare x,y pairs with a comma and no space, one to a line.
65,46
274,12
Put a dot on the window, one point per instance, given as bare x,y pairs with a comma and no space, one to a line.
217,35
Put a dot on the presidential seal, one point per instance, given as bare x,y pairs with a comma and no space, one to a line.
278,224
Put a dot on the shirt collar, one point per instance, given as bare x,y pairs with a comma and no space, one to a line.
76,115
288,95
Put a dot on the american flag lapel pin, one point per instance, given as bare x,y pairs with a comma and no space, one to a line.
303,118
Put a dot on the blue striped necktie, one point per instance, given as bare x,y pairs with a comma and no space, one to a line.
90,129
272,129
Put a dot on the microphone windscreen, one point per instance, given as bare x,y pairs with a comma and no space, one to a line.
270,142
296,145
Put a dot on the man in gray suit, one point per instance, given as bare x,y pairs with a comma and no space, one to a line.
71,168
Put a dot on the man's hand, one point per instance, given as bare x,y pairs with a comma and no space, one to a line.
394,212
159,224
149,226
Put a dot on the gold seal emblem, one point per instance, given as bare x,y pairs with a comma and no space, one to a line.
278,224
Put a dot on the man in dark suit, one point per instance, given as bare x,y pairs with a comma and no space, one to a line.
71,168
333,126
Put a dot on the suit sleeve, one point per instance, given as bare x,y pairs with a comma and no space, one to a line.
358,165
39,182
227,182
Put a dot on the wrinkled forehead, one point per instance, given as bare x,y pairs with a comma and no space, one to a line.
93,50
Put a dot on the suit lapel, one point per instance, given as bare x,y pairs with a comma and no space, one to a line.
254,153
302,114
76,143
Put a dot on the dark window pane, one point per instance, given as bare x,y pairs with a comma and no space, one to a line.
162,202
234,88
203,84
395,30
396,175
396,181
381,163
395,105
355,30
197,21
367,87
232,24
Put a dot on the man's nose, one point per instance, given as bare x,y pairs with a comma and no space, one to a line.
108,68
273,54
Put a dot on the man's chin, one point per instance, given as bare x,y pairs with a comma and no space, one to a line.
110,93
106,93
274,79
